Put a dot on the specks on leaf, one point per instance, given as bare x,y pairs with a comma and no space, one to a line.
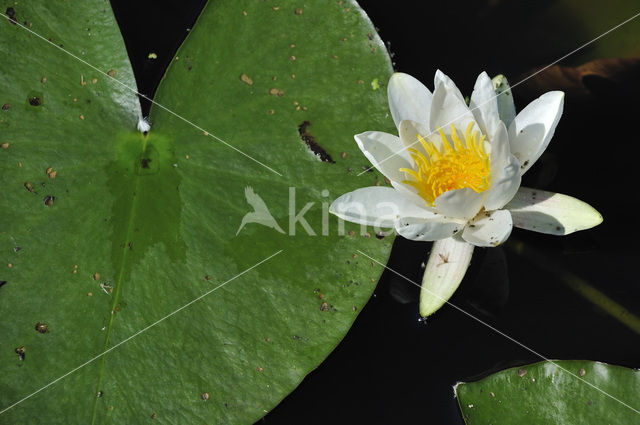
11,14
42,328
20,351
35,101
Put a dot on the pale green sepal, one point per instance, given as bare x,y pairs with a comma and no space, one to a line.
446,267
506,107
551,213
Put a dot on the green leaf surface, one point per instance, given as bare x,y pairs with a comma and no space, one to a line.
124,229
559,392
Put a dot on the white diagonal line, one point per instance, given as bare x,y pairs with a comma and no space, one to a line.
206,132
512,87
501,333
138,333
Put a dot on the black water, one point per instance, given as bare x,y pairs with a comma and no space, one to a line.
393,368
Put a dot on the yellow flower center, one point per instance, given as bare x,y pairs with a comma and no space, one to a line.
451,166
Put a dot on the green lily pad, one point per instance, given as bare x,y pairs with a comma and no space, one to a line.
105,232
558,392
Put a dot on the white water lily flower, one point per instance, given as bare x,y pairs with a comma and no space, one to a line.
455,171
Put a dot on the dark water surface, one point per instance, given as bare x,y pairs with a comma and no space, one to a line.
393,368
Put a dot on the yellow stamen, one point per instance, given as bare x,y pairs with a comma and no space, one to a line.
453,165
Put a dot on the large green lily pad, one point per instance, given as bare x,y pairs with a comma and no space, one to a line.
104,231
559,392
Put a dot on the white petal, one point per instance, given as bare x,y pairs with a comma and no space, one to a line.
532,129
409,99
460,203
499,149
489,229
448,106
447,265
484,104
506,107
408,131
385,152
551,213
427,229
504,186
410,193
375,206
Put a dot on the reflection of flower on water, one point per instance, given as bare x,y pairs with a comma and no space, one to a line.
455,171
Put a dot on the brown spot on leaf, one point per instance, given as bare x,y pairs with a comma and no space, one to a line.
112,73
245,79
